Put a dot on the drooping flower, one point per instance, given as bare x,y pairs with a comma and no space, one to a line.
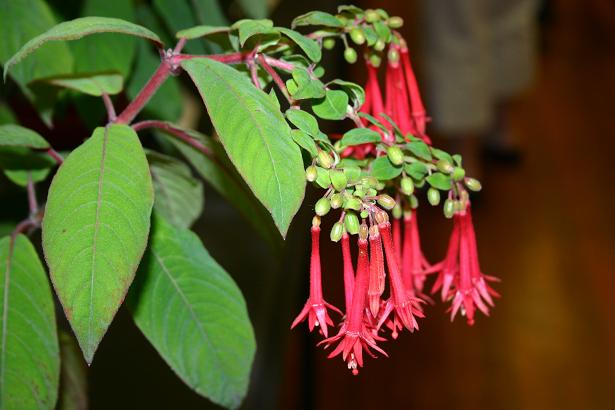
377,275
315,309
348,270
414,264
355,335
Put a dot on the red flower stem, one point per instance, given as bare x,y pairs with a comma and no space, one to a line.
32,202
111,116
315,277
53,154
276,78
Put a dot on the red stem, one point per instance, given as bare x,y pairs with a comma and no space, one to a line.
33,204
276,78
53,154
111,116
177,132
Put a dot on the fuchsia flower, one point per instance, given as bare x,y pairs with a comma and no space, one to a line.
461,279
315,309
414,264
377,275
348,270
355,333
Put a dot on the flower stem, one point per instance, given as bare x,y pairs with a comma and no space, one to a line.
111,116
276,78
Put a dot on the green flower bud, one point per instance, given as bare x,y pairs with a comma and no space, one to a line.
407,186
397,211
433,196
380,186
386,201
352,223
449,208
324,159
383,14
322,207
458,173
338,179
359,192
419,184
311,173
371,16
414,202
353,203
372,192
328,43
380,45
375,60
336,201
357,36
337,231
444,166
350,55
395,22
364,214
396,156
393,55
473,184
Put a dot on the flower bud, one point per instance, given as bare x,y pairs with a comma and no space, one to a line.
449,208
322,207
444,166
357,36
338,179
393,55
359,192
386,201
380,45
328,43
375,60
381,217
311,173
397,211
353,203
380,186
371,16
395,22
364,214
414,202
352,223
350,55
372,192
458,173
337,231
363,231
433,196
407,186
473,184
396,156
324,159
336,201
419,184
316,221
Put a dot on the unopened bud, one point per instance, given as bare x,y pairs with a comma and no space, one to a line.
352,223
372,192
328,43
407,186
444,166
324,159
338,179
359,192
381,217
397,211
380,45
386,201
396,156
375,60
433,196
393,55
336,201
395,22
458,173
371,16
414,202
337,231
357,36
364,214
322,207
353,203
363,231
316,221
311,173
449,208
473,184
350,55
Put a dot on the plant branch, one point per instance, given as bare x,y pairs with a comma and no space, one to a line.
276,78
111,116
53,154
32,202
176,132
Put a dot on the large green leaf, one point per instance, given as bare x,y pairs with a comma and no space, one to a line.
100,53
96,85
12,135
19,22
317,18
29,354
78,28
178,195
255,136
193,313
309,46
95,229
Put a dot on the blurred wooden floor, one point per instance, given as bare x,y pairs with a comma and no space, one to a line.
547,228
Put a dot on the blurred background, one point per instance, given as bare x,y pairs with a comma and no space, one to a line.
524,90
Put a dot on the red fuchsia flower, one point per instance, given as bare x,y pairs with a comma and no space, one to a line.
461,278
417,109
315,309
377,275
397,239
401,303
348,270
414,264
355,334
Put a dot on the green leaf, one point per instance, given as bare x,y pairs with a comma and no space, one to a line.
374,121
29,354
78,28
383,169
305,141
303,120
99,53
6,115
200,31
255,136
316,18
21,21
355,91
457,158
95,85
309,46
438,153
73,376
357,136
323,179
420,149
256,9
194,314
248,28
332,106
178,195
95,229
416,170
12,135
439,181
21,177
303,86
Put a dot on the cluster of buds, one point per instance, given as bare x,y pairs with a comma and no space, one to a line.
378,168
